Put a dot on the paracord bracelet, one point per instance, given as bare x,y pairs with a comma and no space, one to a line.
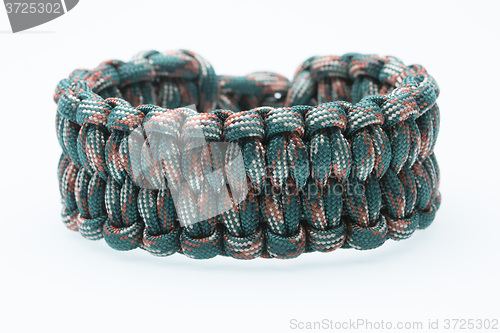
366,120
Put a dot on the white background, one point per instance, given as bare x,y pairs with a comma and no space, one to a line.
53,280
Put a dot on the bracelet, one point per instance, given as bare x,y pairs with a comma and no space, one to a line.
340,157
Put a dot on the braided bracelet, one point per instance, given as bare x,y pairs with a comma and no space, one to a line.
341,157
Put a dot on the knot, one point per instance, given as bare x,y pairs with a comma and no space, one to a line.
138,70
92,109
366,226
67,180
371,149
363,201
364,71
322,210
68,101
302,89
392,71
123,238
286,152
202,125
104,77
163,121
342,78
329,66
319,80
393,194
323,116
246,247
424,90
91,228
144,152
428,125
123,116
166,126
223,114
65,85
67,175
244,124
161,245
243,237
365,113
89,193
202,161
326,240
366,65
246,128
187,66
68,135
399,106
426,216
328,149
123,227
251,91
402,228
366,238
161,232
284,120
286,247
136,80
201,248
281,212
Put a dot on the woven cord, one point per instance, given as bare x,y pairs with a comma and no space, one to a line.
340,157
389,130
244,237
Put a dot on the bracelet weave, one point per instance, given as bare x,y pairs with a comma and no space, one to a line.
364,120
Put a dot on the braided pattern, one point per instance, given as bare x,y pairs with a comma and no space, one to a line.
156,205
345,160
244,238
390,128
203,239
249,92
